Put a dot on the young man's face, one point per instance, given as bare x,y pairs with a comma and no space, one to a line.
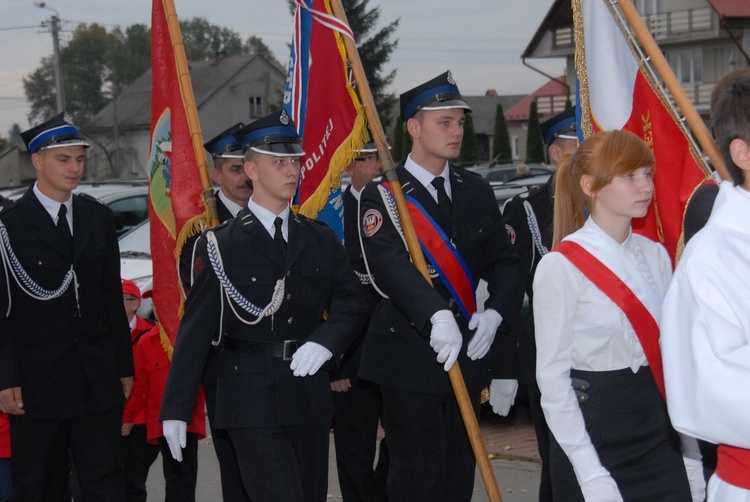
59,170
230,175
438,133
274,178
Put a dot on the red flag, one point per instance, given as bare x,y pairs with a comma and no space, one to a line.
617,91
176,208
321,100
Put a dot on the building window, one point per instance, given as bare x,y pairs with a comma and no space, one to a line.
256,106
514,143
687,65
650,7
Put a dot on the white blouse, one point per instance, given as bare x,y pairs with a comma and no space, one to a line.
579,327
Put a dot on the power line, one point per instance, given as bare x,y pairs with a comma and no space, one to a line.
18,27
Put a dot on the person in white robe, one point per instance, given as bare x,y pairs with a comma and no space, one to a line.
706,314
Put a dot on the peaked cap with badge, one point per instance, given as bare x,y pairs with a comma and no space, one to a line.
274,134
563,125
57,132
226,145
440,93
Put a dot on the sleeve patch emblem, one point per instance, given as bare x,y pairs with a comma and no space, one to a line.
371,222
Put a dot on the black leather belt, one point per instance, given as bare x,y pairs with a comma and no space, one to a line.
283,350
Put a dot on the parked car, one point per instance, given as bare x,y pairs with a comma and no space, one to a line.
136,264
501,173
504,191
128,199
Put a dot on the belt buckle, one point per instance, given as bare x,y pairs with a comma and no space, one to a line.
290,347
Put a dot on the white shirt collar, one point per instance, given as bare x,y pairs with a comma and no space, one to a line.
266,218
231,205
53,207
133,322
355,193
425,177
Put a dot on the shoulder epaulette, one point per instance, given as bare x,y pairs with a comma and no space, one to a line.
89,198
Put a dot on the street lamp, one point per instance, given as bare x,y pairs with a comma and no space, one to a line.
54,24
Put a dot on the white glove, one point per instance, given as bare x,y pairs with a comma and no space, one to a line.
486,324
503,395
601,489
694,469
175,432
309,358
445,337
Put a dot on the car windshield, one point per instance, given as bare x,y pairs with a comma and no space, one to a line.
137,242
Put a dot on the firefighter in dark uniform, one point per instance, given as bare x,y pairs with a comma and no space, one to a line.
528,220
229,173
276,290
358,405
235,190
430,453
66,365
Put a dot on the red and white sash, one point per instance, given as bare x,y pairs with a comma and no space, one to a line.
643,322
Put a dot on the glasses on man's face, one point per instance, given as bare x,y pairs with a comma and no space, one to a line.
369,159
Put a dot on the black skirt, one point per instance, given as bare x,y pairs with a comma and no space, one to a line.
626,419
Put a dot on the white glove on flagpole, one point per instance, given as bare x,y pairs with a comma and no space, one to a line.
486,324
309,358
445,337
175,432
503,395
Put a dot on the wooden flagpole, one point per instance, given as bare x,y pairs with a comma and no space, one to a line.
389,171
186,88
643,35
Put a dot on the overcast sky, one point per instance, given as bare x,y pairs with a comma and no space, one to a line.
480,41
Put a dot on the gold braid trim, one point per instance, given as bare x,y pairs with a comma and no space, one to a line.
166,344
581,71
192,227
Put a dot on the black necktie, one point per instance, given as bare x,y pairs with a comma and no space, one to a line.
62,224
444,201
278,236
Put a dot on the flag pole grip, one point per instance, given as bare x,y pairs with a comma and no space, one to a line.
643,35
389,171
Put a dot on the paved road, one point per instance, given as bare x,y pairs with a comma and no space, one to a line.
518,479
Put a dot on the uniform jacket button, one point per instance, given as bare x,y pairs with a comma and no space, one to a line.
392,330
253,279
288,273
289,296
290,320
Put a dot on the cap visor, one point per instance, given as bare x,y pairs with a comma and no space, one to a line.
67,142
447,105
280,149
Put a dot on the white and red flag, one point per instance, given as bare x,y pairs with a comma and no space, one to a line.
618,91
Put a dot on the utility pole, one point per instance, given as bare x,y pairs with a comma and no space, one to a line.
54,24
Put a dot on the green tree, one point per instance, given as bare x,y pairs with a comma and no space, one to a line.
130,55
3,144
469,146
255,45
84,67
398,140
375,48
534,142
501,150
204,40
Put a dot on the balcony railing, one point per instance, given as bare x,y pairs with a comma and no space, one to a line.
681,22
